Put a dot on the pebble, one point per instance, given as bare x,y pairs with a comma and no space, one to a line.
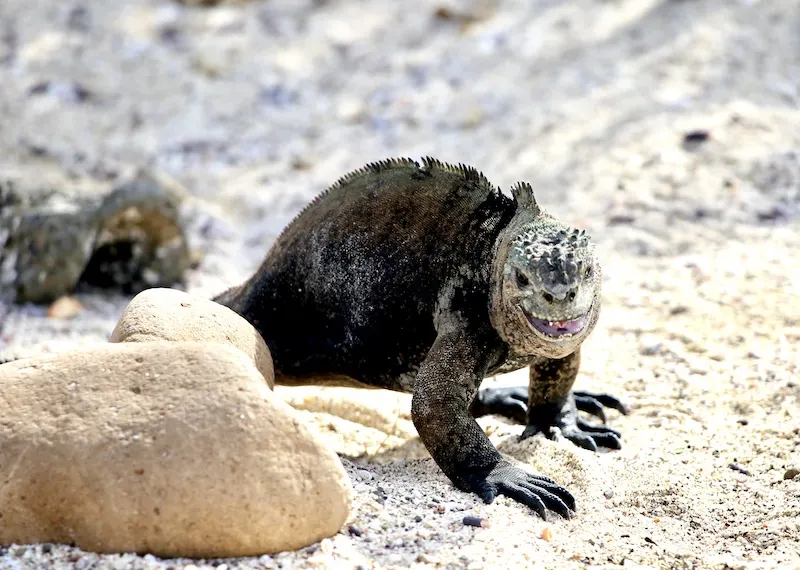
365,475
649,346
791,473
739,468
64,308
476,521
354,530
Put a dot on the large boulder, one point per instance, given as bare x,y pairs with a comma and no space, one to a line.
176,449
172,315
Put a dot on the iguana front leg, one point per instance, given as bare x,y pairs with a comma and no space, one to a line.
548,402
551,403
445,385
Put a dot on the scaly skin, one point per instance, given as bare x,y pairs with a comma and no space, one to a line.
425,278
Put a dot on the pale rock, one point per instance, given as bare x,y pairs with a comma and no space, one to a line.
175,449
65,307
172,315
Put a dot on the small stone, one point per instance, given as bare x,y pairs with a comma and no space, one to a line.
354,530
476,521
418,518
547,534
64,308
791,473
739,468
608,493
364,474
650,349
696,136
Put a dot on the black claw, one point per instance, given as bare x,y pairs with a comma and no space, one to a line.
509,402
582,440
526,496
606,400
529,431
558,491
567,497
609,440
591,406
551,501
587,427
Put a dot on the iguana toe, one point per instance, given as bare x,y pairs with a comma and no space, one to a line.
594,404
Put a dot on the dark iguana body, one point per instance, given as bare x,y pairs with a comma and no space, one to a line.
426,279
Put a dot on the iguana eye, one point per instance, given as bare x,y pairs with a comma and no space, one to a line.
522,279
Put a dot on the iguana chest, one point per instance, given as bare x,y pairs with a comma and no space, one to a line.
510,363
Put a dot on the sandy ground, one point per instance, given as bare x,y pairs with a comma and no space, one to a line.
256,108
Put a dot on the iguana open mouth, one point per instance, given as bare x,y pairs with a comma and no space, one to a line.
557,329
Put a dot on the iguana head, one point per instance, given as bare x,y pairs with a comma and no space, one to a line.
546,283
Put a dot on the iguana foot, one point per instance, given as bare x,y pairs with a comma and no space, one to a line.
565,417
536,491
512,402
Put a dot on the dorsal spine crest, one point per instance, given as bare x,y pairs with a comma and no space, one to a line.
523,195
429,167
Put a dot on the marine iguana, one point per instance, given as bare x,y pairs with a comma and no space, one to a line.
425,278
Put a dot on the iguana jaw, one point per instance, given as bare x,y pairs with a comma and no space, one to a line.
557,329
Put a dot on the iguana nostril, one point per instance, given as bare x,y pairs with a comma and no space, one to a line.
547,297
571,296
